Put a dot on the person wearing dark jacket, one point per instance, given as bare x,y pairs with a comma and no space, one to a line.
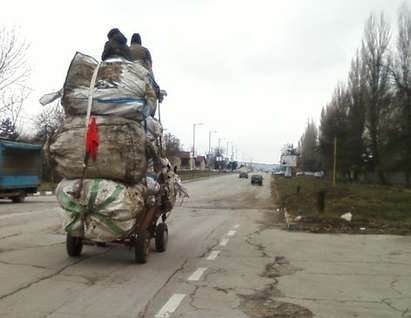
116,46
139,52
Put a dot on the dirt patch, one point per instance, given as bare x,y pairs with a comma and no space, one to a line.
262,303
320,224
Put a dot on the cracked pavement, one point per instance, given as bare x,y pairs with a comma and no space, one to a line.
263,271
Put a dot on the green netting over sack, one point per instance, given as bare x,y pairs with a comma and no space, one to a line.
105,211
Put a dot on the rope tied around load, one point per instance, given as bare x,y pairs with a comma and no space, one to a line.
82,212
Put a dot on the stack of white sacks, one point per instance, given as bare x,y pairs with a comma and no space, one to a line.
103,201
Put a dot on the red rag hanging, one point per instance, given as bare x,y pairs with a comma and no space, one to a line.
92,139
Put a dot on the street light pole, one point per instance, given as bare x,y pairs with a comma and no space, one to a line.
209,140
194,137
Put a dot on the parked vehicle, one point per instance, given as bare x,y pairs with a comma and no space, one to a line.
20,169
243,174
257,179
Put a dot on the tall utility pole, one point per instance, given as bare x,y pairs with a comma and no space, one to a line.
194,137
209,139
335,161
227,149
219,143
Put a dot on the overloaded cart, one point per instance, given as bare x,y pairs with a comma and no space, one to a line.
118,185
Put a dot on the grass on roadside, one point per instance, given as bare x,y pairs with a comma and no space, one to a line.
376,203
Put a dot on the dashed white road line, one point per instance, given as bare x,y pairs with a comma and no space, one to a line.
213,255
231,233
170,306
224,241
236,226
197,274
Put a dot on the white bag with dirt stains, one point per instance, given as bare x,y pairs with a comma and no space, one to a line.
122,88
121,154
105,211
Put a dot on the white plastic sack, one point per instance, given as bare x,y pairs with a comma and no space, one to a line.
154,128
122,88
347,216
152,185
105,211
51,97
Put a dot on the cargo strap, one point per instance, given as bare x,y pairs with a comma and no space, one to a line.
89,106
91,95
81,212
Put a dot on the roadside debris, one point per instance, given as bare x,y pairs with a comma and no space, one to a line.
298,218
347,216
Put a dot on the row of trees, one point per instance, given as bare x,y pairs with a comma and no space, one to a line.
14,73
369,114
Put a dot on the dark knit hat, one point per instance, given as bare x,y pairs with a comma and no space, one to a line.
112,32
136,38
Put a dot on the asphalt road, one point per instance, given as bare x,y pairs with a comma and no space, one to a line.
227,257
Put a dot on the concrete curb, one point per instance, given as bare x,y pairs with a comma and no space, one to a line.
43,193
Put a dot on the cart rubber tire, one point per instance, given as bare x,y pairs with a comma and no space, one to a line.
18,199
161,237
141,248
74,245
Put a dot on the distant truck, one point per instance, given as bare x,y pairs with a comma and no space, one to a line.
20,169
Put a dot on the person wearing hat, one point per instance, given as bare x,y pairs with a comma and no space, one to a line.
116,46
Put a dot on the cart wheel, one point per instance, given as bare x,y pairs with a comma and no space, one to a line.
141,248
74,245
161,237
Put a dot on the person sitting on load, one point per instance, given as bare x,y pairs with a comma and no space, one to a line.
139,52
116,46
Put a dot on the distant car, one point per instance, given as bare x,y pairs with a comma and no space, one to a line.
257,179
243,174
319,174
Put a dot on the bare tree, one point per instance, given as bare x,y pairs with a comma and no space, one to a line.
14,72
356,91
375,53
401,71
47,125
48,122
172,145
308,148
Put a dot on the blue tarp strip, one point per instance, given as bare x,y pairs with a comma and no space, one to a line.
121,101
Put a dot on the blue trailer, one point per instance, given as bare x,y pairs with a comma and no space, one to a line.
20,169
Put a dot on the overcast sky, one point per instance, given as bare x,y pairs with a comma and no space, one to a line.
255,71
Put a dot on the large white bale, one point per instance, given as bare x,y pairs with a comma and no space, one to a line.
105,210
121,153
122,88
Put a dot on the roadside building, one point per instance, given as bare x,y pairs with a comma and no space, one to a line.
200,163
